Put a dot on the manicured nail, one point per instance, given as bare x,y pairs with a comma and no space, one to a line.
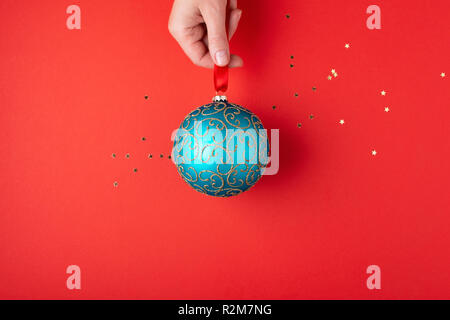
221,58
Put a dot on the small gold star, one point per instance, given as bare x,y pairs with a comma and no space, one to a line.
333,71
386,109
347,45
115,184
342,121
383,93
374,152
443,74
329,77
335,74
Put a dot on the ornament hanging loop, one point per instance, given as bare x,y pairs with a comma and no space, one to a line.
221,73
220,78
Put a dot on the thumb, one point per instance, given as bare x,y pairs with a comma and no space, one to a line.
214,16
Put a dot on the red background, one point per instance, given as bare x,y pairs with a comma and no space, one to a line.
71,98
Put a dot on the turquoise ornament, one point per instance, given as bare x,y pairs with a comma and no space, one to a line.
221,148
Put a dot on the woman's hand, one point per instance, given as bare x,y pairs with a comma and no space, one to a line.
199,28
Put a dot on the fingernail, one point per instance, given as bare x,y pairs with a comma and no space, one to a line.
221,58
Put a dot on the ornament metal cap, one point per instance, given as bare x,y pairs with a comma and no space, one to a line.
218,98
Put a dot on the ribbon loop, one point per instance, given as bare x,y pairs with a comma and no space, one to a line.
221,73
220,78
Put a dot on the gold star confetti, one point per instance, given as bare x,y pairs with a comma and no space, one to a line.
383,93
342,121
329,77
347,45
115,184
386,109
442,74
334,73
374,152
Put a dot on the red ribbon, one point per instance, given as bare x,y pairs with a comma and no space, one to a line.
221,78
221,73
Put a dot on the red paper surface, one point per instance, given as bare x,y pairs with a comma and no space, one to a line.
71,98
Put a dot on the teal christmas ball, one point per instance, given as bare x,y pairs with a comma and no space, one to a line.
221,148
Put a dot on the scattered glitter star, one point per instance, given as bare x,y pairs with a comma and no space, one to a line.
329,77
135,170
274,107
127,155
296,94
314,88
291,65
311,116
334,73
113,155
143,139
299,125
292,57
374,152
115,184
386,109
347,45
146,97
150,156
342,121
443,74
383,93
288,16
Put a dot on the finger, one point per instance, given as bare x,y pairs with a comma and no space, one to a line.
191,40
214,15
235,16
232,4
206,61
236,61
199,55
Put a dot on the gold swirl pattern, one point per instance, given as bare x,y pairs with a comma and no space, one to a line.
220,149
